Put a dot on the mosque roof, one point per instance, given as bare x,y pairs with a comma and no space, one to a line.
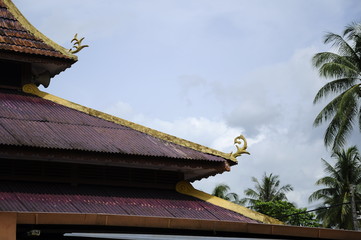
35,119
19,40
27,120
18,35
89,199
38,127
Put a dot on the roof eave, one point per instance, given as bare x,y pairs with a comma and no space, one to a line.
163,225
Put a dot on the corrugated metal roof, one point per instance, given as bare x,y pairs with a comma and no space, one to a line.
56,197
15,37
32,121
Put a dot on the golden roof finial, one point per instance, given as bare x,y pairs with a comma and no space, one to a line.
240,150
77,45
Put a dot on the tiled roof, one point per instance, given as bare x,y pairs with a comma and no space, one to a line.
18,35
27,120
63,198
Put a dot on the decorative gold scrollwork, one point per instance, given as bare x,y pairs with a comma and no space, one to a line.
184,187
30,88
77,44
240,150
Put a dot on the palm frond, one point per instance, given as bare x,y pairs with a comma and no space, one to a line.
327,181
347,111
342,110
220,190
352,30
344,67
341,44
251,193
328,111
268,189
328,168
321,194
329,57
359,119
331,131
285,188
345,171
232,197
338,70
336,86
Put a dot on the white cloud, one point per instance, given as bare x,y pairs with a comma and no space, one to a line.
279,112
211,133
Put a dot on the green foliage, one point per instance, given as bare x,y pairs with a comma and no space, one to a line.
268,189
344,67
287,213
222,191
336,191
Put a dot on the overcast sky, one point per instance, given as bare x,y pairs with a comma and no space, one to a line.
206,71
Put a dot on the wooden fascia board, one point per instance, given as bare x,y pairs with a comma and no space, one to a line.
267,230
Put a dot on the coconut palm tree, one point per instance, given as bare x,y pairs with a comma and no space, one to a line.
344,68
336,209
222,191
267,190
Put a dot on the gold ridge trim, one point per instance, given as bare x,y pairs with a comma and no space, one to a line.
32,89
28,26
187,189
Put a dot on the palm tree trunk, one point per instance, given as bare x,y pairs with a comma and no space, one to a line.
353,208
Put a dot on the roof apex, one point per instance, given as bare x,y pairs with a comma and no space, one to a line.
31,30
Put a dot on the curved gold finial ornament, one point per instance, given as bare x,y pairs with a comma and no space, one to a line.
30,88
240,150
77,47
184,187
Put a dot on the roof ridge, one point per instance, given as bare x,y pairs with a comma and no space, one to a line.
32,89
28,26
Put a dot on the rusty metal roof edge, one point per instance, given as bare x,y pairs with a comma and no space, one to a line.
28,26
32,89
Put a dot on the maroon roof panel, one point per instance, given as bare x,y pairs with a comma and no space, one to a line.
27,120
15,37
64,198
